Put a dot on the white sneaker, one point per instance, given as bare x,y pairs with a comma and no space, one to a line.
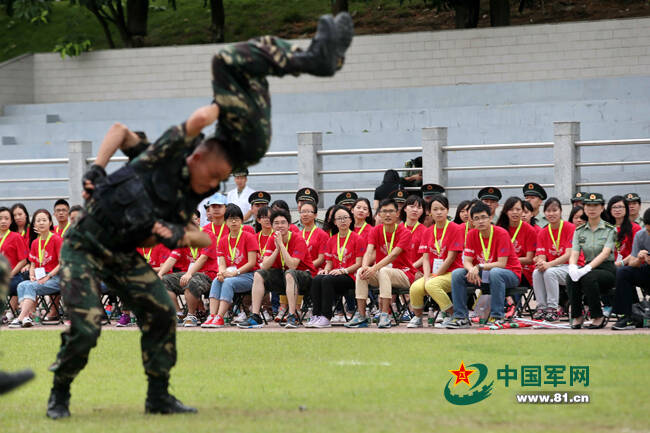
241,317
16,323
28,322
267,316
384,321
312,321
338,319
444,322
415,322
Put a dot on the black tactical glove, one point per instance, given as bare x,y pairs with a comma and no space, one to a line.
177,235
94,174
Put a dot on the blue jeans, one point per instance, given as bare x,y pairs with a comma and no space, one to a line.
226,291
31,289
13,284
500,279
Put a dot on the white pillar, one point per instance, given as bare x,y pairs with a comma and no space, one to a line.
309,163
78,153
434,158
565,156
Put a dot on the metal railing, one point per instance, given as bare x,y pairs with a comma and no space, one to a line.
434,151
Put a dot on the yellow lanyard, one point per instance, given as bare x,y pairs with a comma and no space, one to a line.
415,226
435,236
310,233
233,251
259,242
220,232
147,255
559,233
486,253
341,251
512,240
287,247
3,239
389,248
195,251
41,250
65,228
363,227
24,230
466,230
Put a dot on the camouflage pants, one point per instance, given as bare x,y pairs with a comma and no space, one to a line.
242,92
84,263
5,271
198,285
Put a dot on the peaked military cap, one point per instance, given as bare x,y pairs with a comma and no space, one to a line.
490,193
307,194
632,196
593,198
398,195
578,196
259,197
431,189
534,189
346,197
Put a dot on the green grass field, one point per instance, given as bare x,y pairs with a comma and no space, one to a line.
347,382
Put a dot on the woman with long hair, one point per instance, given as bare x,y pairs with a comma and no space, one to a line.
577,216
618,214
21,225
363,219
522,235
412,215
13,248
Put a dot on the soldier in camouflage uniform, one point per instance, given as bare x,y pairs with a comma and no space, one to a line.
152,197
9,381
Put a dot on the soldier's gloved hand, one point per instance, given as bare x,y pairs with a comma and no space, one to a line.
91,177
574,273
584,271
168,234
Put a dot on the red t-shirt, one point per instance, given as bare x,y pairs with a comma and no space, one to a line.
452,241
625,248
525,242
365,232
62,230
261,245
297,249
25,237
247,243
13,248
316,241
417,236
211,266
159,255
546,246
355,247
402,240
51,250
216,230
184,257
501,247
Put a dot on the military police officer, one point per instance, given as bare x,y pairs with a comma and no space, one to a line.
577,198
347,199
307,195
535,194
634,203
257,200
595,240
490,195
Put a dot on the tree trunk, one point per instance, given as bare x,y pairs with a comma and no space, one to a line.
137,12
339,6
104,24
499,13
218,17
467,13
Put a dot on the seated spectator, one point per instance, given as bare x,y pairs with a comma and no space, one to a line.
577,198
286,268
490,196
618,214
554,243
344,252
522,235
315,238
264,230
347,199
281,204
462,212
386,264
527,216
43,271
441,248
363,220
215,209
429,191
328,223
400,200
237,258
21,225
13,248
61,213
634,204
577,216
497,265
257,200
596,239
535,194
413,214
635,273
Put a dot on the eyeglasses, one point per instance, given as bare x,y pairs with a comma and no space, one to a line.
480,218
341,219
233,220
619,207
386,211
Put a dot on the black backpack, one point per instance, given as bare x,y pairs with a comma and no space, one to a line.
641,313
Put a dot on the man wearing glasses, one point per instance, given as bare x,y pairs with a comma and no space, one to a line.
497,266
388,246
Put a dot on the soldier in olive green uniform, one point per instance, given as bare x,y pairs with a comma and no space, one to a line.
634,203
577,198
490,196
596,240
307,195
535,194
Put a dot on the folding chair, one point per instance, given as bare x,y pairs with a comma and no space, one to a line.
45,303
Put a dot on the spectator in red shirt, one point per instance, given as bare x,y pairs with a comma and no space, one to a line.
315,238
363,219
287,268
441,248
618,214
554,243
237,259
13,248
43,272
497,265
344,252
21,225
412,215
386,263
522,235
62,215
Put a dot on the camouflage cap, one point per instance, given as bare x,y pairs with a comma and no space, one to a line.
346,197
593,198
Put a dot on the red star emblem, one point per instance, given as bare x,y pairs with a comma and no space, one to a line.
461,374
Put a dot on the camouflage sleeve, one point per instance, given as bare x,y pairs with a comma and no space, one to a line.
178,231
135,151
173,143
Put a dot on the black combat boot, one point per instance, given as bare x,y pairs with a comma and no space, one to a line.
9,381
160,401
327,49
59,402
